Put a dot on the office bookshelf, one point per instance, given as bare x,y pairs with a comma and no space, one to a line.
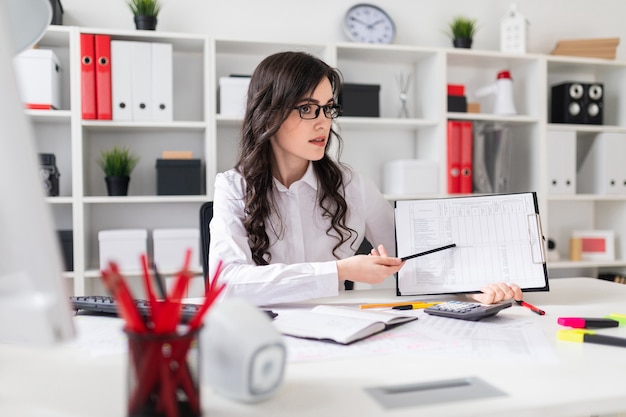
199,61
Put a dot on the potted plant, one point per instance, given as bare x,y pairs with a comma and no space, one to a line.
146,12
462,31
117,164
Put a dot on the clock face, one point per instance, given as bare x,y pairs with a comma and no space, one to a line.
368,23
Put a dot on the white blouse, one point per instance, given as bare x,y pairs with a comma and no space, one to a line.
303,265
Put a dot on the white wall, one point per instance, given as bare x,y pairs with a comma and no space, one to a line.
419,22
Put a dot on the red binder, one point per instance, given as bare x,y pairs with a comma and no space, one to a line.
87,76
103,77
454,157
466,157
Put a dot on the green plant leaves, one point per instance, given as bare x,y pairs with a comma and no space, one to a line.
463,27
117,162
145,7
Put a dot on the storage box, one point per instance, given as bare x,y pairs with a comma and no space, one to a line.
170,245
411,176
360,100
66,241
179,176
123,246
233,95
38,76
457,104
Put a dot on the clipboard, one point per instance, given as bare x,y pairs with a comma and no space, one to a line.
497,237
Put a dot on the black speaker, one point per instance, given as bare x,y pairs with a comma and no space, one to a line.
574,102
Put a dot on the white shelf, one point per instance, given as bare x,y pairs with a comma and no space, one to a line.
368,142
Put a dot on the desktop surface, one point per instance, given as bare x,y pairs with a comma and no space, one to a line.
584,380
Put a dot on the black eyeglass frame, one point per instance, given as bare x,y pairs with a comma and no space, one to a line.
331,111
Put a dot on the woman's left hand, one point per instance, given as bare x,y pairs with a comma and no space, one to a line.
494,293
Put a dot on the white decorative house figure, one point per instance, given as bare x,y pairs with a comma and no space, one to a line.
513,32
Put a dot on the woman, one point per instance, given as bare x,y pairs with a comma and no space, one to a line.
288,218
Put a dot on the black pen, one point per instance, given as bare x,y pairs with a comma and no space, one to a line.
428,252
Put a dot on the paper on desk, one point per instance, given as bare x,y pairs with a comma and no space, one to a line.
99,336
498,338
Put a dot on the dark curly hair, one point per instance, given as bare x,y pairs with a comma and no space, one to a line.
278,83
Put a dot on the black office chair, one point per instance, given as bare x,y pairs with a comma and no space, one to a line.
206,214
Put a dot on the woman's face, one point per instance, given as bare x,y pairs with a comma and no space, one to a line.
298,140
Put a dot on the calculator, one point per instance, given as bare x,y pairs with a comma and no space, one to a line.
466,310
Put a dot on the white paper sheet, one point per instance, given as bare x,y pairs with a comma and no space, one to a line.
498,239
498,338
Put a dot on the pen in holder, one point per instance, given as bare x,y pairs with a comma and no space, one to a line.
163,364
163,377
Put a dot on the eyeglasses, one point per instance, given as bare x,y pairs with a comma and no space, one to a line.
331,111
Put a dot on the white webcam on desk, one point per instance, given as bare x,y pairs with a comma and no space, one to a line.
242,355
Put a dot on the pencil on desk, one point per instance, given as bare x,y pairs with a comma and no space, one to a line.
413,304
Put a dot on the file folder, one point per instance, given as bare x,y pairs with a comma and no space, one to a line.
121,82
498,238
561,161
454,158
141,76
602,169
87,76
103,77
162,79
492,157
466,144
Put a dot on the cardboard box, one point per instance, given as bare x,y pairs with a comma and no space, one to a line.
123,246
38,76
233,96
170,245
360,100
179,176
410,177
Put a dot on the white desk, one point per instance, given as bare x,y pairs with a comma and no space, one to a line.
587,380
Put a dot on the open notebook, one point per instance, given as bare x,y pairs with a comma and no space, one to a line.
337,324
497,238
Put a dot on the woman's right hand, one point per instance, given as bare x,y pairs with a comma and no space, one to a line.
369,269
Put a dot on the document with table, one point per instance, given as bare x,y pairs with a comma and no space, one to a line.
492,238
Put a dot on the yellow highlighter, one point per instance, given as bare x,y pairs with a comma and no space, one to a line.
589,336
406,305
621,318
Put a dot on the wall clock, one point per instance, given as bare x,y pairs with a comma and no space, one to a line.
369,23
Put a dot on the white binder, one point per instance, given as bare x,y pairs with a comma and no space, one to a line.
602,169
162,79
561,162
121,81
142,80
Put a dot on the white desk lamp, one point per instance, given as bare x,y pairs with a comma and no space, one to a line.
27,21
34,304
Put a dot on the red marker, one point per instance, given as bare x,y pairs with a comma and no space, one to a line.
532,307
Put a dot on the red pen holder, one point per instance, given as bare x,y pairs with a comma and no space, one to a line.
163,377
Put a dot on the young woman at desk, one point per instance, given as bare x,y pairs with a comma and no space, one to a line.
288,218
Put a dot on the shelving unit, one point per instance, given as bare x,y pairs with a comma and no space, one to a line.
369,143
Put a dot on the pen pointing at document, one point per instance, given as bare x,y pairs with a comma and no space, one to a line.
428,252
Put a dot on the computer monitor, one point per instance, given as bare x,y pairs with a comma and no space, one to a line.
34,302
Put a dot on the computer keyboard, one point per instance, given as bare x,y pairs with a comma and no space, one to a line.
104,304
